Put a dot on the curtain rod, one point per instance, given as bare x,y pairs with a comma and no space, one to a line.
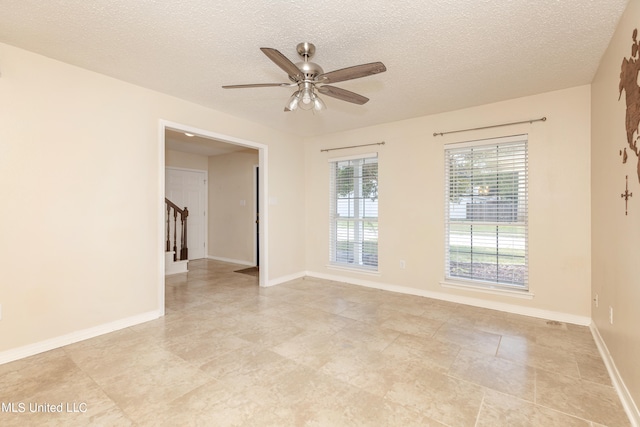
542,119
352,146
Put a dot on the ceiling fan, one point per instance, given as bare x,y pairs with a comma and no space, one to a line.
309,78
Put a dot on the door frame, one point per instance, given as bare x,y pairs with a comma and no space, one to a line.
257,184
263,164
206,202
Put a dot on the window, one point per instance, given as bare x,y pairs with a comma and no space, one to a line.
486,212
354,212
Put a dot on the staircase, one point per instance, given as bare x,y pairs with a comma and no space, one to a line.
176,261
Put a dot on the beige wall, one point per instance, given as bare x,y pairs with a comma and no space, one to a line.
232,206
80,162
178,159
615,236
411,203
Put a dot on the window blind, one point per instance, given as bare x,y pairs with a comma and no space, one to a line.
486,217
354,212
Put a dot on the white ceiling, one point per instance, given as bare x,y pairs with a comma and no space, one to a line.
197,144
441,55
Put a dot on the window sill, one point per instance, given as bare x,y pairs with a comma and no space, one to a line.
522,294
353,269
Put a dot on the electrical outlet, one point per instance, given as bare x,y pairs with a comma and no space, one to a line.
596,300
403,264
611,315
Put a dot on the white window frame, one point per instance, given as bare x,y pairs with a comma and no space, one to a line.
516,223
357,221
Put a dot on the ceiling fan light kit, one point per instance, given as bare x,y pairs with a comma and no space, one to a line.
309,77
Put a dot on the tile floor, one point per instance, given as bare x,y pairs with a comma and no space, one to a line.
317,353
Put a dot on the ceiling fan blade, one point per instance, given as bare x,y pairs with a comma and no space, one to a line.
283,62
354,72
343,94
259,85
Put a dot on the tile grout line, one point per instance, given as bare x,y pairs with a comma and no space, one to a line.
480,409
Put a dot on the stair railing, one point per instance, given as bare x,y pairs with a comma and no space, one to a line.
184,213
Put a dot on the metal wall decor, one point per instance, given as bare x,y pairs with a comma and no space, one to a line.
626,195
629,84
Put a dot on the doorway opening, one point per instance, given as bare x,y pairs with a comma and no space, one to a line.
260,196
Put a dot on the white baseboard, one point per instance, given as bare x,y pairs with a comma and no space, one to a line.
623,392
476,302
232,261
57,342
286,278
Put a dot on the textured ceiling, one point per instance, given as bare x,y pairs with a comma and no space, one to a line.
196,144
441,55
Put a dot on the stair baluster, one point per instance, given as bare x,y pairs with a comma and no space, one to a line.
184,251
168,227
175,231
184,213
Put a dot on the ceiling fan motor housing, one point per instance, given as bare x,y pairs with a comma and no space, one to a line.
310,70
